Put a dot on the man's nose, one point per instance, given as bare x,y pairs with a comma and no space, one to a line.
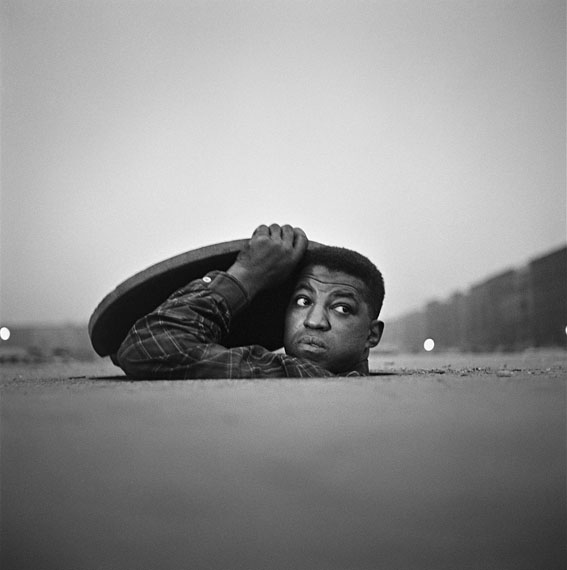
316,318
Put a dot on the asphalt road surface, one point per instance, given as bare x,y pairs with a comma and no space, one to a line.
437,462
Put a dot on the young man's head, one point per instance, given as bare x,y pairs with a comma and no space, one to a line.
332,317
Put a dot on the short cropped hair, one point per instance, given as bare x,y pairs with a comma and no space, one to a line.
354,264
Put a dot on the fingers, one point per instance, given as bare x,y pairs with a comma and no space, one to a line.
262,230
269,257
287,234
300,240
294,238
276,232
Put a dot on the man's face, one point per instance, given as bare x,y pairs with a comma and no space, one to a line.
328,321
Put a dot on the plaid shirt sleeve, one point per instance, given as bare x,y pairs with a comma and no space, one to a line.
182,339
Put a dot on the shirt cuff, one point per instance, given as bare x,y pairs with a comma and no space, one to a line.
229,288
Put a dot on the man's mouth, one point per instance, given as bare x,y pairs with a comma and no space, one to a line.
312,344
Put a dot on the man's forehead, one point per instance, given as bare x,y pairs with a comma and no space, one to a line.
330,279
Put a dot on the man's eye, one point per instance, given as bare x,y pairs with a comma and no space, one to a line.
343,309
302,301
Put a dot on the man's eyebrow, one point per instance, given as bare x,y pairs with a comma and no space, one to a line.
352,292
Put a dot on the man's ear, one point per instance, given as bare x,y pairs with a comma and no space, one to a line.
375,333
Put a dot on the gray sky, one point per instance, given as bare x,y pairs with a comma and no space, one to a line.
427,134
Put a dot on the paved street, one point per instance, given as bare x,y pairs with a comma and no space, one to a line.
439,461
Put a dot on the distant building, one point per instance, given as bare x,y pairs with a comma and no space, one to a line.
548,275
47,342
514,310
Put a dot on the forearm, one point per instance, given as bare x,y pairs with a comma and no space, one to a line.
184,329
183,337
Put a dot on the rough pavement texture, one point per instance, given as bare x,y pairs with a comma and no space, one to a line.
440,461
550,363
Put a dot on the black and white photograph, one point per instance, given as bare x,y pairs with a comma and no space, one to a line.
283,285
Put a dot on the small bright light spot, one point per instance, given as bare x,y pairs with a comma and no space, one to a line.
429,344
565,330
4,333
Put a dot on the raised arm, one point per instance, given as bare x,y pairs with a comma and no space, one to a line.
183,337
